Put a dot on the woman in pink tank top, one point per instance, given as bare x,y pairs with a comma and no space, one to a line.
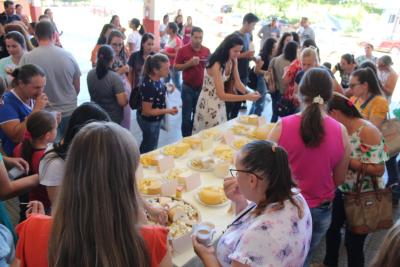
318,149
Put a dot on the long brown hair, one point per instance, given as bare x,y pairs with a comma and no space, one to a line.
388,253
316,82
96,215
271,163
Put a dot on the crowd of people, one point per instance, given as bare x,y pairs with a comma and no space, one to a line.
75,165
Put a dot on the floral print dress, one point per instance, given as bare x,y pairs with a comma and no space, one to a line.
210,109
276,238
375,154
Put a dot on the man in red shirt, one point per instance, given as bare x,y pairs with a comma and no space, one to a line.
191,59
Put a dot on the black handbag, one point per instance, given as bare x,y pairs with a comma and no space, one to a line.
286,107
252,82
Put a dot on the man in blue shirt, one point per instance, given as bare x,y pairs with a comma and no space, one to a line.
8,15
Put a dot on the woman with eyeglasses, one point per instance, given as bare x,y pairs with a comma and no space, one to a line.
373,106
318,148
120,66
275,228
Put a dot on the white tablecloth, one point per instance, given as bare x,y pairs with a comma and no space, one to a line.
219,216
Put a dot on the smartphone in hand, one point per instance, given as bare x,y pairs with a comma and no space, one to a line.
15,173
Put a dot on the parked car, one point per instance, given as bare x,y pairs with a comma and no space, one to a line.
389,46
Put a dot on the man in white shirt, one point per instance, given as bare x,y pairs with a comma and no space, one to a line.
305,31
163,31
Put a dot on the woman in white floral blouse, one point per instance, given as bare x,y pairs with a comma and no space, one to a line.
274,228
368,148
221,84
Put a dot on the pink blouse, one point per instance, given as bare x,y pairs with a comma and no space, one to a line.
312,168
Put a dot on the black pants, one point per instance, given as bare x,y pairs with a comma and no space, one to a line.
354,243
232,109
392,170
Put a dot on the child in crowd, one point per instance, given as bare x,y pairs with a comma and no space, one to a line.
42,129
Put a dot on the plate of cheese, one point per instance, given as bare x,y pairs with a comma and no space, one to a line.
224,152
176,150
249,119
150,186
238,143
240,129
181,215
211,196
203,164
149,159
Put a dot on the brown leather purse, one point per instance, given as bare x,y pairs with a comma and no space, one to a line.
367,212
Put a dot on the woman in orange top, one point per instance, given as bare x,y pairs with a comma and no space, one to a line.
98,215
105,32
370,101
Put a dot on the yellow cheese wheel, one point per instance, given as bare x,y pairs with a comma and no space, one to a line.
212,195
150,186
192,141
149,159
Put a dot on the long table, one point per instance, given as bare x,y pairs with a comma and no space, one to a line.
219,216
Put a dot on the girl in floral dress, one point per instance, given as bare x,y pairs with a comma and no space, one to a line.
368,147
221,68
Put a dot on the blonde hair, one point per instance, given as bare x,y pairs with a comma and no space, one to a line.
388,253
310,52
96,216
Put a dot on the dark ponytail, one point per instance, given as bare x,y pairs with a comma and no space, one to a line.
153,62
38,124
105,56
344,105
137,24
270,163
315,87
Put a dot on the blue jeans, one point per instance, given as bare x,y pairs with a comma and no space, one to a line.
321,220
175,76
275,96
62,127
258,106
151,132
189,101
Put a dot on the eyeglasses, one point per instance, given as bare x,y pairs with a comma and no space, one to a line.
235,173
117,45
352,85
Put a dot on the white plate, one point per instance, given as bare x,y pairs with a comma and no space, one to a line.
147,195
175,157
189,164
241,138
196,196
